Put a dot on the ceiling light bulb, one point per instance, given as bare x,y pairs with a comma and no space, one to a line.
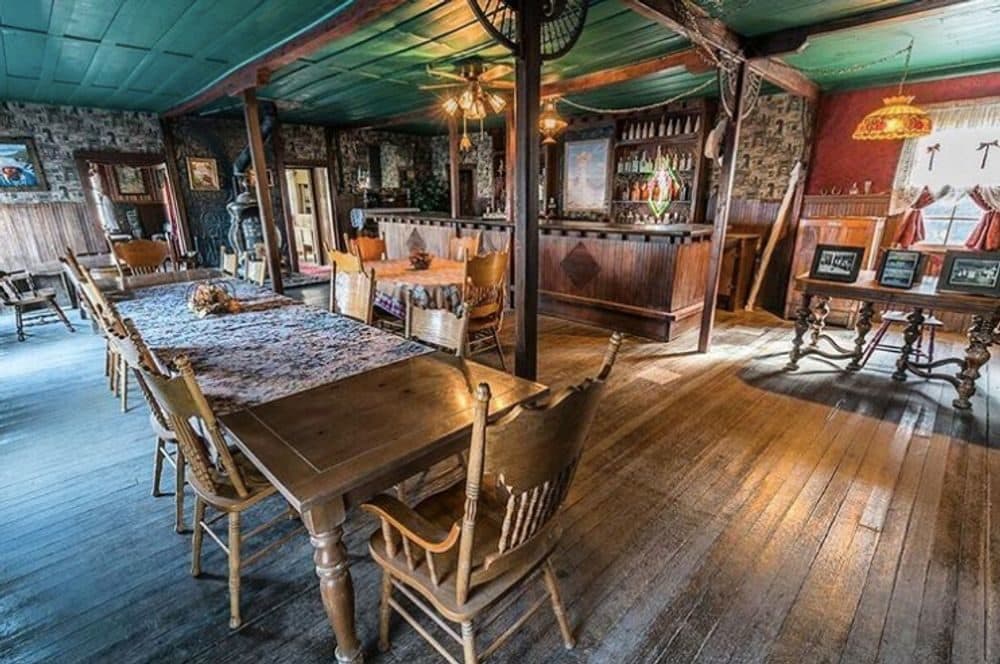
450,105
497,103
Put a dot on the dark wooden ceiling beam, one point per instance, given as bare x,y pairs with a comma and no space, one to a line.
786,77
794,39
690,58
257,72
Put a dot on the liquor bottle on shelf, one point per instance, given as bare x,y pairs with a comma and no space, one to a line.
634,192
697,124
688,125
662,129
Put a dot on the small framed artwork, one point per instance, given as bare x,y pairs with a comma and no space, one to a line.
836,263
130,180
900,268
976,272
203,174
585,175
20,169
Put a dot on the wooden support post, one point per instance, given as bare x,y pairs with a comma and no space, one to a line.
454,161
174,182
722,209
286,202
251,112
509,157
334,179
527,97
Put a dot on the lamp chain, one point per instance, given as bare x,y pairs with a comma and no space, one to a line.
636,109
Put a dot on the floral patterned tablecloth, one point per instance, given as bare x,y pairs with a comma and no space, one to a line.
275,347
438,287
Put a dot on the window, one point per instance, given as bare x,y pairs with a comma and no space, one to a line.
950,221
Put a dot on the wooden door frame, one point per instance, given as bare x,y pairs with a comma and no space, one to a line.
309,165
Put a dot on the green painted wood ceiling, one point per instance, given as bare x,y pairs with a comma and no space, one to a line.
154,54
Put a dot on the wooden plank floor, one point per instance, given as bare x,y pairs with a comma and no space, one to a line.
725,512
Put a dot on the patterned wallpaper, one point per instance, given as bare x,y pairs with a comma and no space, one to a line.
303,142
396,151
771,140
59,131
480,156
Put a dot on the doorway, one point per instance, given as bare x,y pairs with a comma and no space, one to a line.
466,192
312,215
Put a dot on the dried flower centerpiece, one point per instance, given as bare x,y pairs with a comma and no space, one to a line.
421,260
212,298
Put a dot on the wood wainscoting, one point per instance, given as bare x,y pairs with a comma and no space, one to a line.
642,281
35,235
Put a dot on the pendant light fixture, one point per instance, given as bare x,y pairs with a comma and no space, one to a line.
898,118
549,122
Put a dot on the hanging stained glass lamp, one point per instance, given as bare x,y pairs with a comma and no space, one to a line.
898,118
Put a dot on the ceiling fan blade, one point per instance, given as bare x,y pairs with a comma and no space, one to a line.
442,86
495,72
445,74
500,85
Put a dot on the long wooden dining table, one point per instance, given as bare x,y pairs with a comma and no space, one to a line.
328,421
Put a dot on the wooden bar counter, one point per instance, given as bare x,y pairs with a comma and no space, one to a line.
641,279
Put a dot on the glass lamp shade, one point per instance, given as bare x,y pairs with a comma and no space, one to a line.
497,103
897,119
450,105
465,143
549,123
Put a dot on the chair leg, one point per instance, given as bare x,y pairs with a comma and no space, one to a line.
123,377
469,643
234,570
59,312
384,611
19,322
158,453
930,344
179,492
199,516
496,340
557,605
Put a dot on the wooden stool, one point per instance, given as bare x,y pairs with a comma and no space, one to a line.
890,318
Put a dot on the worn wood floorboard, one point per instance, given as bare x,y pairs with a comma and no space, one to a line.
724,511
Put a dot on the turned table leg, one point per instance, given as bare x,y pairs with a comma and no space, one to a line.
976,355
802,325
820,312
325,524
910,336
863,327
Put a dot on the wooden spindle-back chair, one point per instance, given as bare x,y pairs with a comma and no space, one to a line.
483,295
346,262
438,327
220,477
141,256
136,355
464,248
32,306
368,248
255,270
463,550
229,261
353,294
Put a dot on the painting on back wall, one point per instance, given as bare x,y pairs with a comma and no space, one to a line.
20,169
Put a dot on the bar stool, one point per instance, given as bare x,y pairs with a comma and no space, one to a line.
890,318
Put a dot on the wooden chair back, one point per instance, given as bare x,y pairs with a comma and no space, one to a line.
438,327
182,402
9,291
353,294
142,256
255,270
131,347
523,464
228,261
464,248
484,285
344,262
104,312
368,248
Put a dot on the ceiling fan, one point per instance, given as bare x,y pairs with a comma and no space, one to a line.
472,90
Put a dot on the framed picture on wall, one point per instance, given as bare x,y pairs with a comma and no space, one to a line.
130,180
833,262
203,174
976,272
900,268
585,175
20,169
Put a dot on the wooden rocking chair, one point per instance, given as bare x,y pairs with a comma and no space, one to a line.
32,306
463,550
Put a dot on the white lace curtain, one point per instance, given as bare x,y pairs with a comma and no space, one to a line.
950,161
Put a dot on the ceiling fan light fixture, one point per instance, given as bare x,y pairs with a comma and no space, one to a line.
465,143
497,103
450,105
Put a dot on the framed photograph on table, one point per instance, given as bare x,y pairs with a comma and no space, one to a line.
975,272
585,175
836,263
900,268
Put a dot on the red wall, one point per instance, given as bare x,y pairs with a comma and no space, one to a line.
838,160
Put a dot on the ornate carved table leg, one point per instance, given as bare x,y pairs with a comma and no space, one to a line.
976,355
820,312
910,336
863,327
802,324
325,524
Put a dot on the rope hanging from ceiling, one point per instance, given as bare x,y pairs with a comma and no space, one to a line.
851,69
637,109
